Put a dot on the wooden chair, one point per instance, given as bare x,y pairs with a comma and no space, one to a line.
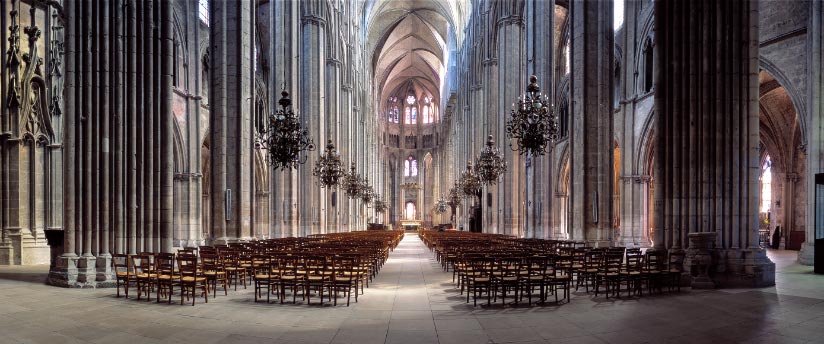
533,275
609,273
675,270
266,274
191,278
506,277
559,278
481,279
291,276
235,271
166,276
318,276
123,272
345,278
654,270
214,272
143,265
632,274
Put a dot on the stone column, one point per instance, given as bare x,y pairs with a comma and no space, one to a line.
707,161
312,105
511,81
815,135
65,273
231,98
591,137
166,118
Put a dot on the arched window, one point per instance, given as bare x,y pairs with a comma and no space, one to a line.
396,119
427,114
617,87
414,115
409,211
566,56
203,11
410,167
407,117
766,185
648,64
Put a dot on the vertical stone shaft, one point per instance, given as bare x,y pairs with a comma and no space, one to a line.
719,192
167,128
311,105
94,122
87,129
69,136
148,125
591,149
119,113
815,138
232,98
105,115
132,113
511,80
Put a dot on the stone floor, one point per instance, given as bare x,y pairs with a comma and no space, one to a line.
413,301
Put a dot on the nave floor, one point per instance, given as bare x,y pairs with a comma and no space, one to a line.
413,301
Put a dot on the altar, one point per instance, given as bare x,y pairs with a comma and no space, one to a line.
411,225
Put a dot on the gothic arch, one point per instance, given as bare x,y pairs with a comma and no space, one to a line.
795,96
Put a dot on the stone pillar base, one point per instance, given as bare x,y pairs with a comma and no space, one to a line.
103,266
87,271
807,254
64,272
747,268
6,254
633,242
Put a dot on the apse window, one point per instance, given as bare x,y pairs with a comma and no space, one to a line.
410,167
410,211
203,11
766,185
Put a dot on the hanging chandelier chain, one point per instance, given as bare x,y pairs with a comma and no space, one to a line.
285,139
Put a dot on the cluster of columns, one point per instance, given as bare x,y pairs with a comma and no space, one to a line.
707,158
118,139
326,81
591,138
506,42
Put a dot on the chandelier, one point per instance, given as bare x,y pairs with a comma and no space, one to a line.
470,181
284,138
379,205
533,125
454,199
440,205
351,183
329,168
367,192
490,163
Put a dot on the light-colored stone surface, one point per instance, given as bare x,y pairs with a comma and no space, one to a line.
413,301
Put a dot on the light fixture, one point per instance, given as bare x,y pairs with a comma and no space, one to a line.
329,168
284,138
379,205
490,165
440,205
533,126
470,181
351,183
367,192
454,199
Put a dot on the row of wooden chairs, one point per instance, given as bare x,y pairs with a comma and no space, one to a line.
492,265
319,263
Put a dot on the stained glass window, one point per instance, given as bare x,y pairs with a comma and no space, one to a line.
414,115
410,100
203,11
407,117
414,169
766,185
406,168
